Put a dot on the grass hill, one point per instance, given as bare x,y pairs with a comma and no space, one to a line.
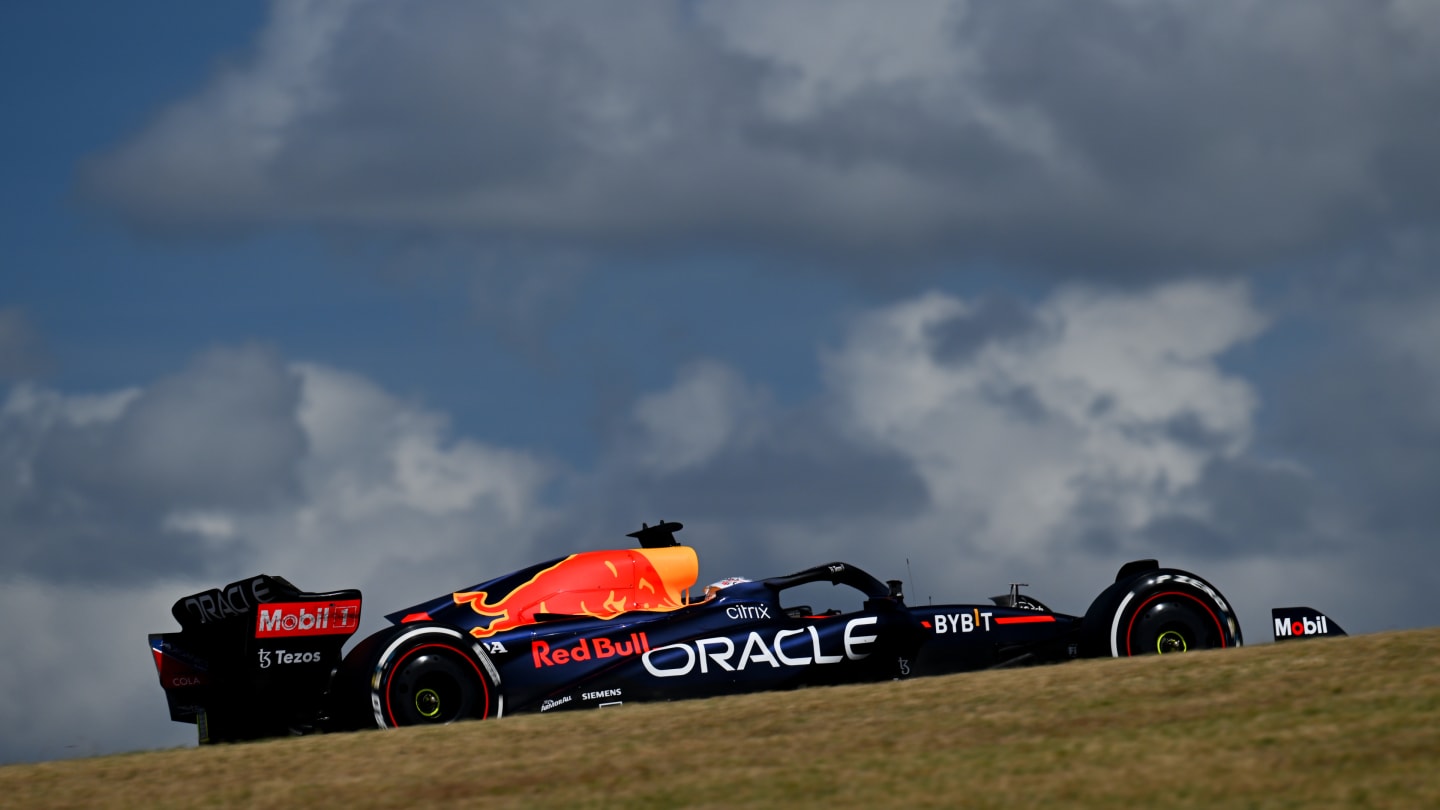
1337,722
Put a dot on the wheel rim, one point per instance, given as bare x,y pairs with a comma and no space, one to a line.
1172,623
432,687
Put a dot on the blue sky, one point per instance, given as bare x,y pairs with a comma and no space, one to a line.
400,296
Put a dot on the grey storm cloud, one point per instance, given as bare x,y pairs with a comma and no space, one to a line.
93,491
1253,509
1130,137
1383,461
957,339
221,433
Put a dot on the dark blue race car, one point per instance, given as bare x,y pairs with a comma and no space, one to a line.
261,658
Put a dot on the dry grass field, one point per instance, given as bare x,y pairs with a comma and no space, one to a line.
1328,723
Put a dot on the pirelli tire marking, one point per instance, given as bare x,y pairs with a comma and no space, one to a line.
379,678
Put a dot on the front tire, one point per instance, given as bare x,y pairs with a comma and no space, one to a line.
1160,612
1171,623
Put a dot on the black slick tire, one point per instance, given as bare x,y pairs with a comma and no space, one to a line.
1162,611
422,674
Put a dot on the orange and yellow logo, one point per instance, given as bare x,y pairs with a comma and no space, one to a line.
598,584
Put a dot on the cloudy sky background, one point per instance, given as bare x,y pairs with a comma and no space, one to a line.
402,296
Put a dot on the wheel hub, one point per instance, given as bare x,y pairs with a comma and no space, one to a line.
1170,642
427,702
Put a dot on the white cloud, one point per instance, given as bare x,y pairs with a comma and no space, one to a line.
206,524
706,409
1016,438
47,407
384,500
373,453
830,51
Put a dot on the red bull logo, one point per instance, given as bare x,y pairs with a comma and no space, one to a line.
588,649
598,584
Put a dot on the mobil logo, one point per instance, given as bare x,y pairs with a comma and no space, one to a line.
285,619
1290,627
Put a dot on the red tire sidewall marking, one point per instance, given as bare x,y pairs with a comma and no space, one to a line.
1131,626
484,688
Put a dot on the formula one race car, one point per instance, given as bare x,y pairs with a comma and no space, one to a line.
261,658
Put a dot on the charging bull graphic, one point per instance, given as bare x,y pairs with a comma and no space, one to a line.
598,584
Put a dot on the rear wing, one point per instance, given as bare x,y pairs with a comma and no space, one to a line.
254,658
1303,622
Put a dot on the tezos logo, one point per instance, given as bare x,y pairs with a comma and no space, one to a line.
283,657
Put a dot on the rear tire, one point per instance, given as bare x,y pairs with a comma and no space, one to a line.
424,674
1167,623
